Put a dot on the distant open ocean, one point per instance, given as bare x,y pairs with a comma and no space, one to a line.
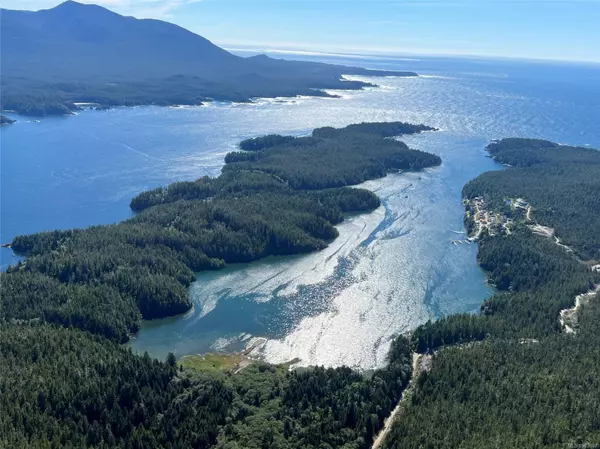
388,271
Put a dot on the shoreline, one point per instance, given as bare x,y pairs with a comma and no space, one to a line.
71,107
230,362
308,229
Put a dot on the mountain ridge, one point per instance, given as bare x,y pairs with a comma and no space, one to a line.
75,52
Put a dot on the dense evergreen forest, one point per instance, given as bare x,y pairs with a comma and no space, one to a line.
560,182
66,388
518,380
105,279
40,99
508,377
333,157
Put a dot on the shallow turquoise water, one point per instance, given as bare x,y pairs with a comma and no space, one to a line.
386,273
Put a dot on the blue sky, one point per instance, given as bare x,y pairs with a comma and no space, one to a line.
554,29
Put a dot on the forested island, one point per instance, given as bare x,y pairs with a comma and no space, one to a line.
512,376
55,59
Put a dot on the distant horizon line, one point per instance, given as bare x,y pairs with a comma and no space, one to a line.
403,56
301,49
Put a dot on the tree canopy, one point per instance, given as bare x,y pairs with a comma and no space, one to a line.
511,377
105,279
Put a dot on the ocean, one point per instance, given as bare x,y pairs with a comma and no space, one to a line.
389,270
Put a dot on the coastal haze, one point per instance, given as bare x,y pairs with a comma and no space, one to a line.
387,272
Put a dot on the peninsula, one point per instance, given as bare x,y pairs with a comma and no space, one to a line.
524,371
282,195
5,120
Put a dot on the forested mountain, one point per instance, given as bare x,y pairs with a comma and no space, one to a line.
104,279
86,53
531,382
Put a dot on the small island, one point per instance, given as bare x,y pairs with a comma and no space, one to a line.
5,120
